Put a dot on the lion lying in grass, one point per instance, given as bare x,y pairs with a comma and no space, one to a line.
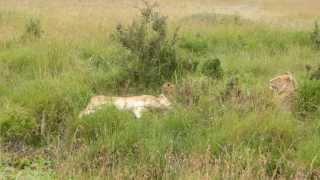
135,104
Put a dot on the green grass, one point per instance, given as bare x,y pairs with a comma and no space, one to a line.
52,80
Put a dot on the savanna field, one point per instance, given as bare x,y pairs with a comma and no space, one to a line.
225,122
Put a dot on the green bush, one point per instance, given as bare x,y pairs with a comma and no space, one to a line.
308,99
17,124
148,39
212,68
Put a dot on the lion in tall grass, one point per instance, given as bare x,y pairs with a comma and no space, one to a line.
135,104
284,87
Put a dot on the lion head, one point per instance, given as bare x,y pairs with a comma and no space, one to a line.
168,89
283,84
284,87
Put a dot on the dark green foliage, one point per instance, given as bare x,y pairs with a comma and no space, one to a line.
148,39
33,29
308,100
212,68
315,36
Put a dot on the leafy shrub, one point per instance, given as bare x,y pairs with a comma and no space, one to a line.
17,124
308,100
33,29
148,39
315,35
212,68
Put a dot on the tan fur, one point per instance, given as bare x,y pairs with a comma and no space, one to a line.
168,89
136,104
283,84
284,87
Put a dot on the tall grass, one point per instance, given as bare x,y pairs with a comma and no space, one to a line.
46,82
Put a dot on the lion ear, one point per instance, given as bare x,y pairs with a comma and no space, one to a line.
288,73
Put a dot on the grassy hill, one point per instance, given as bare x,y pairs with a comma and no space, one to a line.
55,55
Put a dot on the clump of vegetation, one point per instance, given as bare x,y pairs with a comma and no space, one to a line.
315,36
212,68
148,38
308,100
33,29
17,125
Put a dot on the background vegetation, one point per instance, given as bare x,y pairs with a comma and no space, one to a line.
224,123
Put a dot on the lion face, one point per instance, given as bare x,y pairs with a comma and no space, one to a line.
168,89
283,84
